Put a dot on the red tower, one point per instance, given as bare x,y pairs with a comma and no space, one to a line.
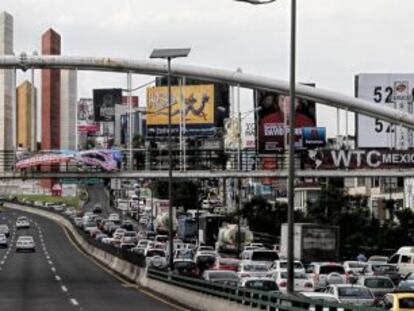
50,101
50,94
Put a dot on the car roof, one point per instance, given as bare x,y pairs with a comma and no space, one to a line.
252,278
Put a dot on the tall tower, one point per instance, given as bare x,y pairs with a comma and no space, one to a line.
68,97
50,94
24,114
6,92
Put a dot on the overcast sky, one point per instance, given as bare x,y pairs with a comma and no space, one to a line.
336,38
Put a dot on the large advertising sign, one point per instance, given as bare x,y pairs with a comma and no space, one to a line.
104,101
391,90
361,159
194,104
273,120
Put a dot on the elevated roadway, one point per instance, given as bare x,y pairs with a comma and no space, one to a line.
409,172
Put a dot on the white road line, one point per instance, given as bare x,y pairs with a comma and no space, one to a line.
2,262
58,278
53,269
74,302
64,288
50,262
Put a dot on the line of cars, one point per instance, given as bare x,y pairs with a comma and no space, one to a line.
23,242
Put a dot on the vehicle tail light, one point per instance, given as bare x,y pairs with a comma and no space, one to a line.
244,275
316,277
308,285
283,284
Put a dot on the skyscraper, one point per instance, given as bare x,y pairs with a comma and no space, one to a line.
24,114
50,101
68,101
50,94
7,141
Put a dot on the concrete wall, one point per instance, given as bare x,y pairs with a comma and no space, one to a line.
68,96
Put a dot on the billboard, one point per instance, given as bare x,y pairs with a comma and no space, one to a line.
85,110
313,137
360,159
390,90
104,101
273,120
195,104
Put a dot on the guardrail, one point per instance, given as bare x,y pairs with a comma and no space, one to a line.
252,298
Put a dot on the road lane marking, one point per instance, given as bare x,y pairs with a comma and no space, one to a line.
64,288
53,269
74,302
50,262
58,278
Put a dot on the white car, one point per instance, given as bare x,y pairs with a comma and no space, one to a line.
281,265
354,267
349,293
25,243
301,281
252,269
114,217
22,223
3,240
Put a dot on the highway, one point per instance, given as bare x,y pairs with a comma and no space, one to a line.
59,277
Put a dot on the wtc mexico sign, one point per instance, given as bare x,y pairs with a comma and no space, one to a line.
363,158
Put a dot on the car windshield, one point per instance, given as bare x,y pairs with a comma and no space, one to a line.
255,268
355,265
332,268
298,275
25,239
384,268
129,234
296,265
406,303
358,292
229,262
378,283
156,252
222,275
264,256
264,285
184,265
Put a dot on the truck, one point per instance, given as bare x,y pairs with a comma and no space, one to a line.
209,228
228,238
187,229
312,242
161,223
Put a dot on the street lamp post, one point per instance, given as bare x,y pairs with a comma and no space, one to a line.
291,172
170,54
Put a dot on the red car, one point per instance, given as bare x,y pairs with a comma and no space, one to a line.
231,264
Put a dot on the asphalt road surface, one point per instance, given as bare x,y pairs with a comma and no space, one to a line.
59,277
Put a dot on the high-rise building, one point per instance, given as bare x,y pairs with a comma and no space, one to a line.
50,101
25,114
51,94
7,138
68,101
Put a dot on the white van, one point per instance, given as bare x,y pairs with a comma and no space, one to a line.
260,255
405,250
404,262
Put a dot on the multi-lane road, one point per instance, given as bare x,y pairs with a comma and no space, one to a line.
59,277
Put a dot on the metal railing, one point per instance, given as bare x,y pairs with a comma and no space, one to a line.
252,298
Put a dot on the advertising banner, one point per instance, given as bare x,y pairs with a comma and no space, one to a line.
104,101
390,90
313,137
194,104
88,128
361,159
273,120
85,110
